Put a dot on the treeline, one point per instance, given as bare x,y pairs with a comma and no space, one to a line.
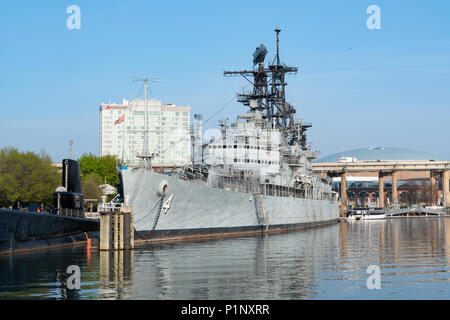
96,171
28,177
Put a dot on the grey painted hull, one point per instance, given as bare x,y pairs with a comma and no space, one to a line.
197,209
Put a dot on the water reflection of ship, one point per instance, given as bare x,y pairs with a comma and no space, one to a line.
262,267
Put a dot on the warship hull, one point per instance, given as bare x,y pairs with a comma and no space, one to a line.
190,209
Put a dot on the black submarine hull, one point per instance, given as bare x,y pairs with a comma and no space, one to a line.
22,231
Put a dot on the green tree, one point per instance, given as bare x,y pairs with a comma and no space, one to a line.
104,167
90,187
26,177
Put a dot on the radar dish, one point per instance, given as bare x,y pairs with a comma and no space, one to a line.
259,55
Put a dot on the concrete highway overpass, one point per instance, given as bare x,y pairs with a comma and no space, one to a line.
392,163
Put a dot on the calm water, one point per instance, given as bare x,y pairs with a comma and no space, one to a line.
325,263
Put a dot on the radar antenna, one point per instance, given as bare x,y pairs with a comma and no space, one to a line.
269,84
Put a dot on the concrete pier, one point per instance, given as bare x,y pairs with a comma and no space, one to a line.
343,205
445,188
394,187
126,230
433,188
117,229
105,231
381,189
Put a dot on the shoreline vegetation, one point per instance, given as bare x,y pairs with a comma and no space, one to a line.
28,179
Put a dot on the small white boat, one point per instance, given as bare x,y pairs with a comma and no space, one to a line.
367,214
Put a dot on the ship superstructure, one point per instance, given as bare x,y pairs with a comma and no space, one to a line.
265,150
255,177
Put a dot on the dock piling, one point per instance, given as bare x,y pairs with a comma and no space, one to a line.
105,231
117,229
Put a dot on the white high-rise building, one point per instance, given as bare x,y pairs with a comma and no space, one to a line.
122,129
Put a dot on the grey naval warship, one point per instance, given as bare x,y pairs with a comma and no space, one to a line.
256,177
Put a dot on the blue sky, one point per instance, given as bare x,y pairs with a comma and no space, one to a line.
359,87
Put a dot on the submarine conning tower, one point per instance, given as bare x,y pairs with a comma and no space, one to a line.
68,199
71,175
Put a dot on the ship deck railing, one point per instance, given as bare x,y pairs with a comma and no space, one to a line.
68,212
230,183
272,190
109,207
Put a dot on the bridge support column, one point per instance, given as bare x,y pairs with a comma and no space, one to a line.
394,188
433,189
381,189
445,188
343,206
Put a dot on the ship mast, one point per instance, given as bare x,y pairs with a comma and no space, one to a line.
277,30
146,156
268,88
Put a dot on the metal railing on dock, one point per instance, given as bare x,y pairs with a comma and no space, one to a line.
109,207
402,211
417,211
